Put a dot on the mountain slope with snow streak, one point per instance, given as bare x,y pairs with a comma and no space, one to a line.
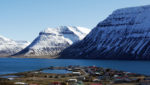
125,34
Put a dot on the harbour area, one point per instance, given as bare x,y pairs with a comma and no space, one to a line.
74,75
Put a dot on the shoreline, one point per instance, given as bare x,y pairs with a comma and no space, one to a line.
93,74
37,57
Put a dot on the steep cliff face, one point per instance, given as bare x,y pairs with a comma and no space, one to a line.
9,47
125,34
52,41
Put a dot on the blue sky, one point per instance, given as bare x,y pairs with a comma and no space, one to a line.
24,19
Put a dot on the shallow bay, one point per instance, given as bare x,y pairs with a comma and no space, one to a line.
13,65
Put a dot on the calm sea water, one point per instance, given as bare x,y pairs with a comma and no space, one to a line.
56,71
13,65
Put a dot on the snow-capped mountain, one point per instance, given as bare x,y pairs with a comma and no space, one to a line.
9,47
52,41
125,34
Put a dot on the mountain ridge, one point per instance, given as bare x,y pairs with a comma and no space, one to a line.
9,47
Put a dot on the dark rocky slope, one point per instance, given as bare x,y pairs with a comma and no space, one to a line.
125,34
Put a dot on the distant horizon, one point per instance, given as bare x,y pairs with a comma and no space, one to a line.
24,19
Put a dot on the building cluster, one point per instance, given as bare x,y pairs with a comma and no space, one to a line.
80,75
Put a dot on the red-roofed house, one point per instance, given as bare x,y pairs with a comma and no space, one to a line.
95,84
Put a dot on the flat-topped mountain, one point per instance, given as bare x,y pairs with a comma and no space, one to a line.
52,41
125,34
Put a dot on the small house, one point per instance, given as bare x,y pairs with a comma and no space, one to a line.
72,80
20,83
76,73
95,84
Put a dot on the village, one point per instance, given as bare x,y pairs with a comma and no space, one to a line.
74,75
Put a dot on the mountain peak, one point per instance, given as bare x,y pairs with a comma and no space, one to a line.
65,28
4,38
50,31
